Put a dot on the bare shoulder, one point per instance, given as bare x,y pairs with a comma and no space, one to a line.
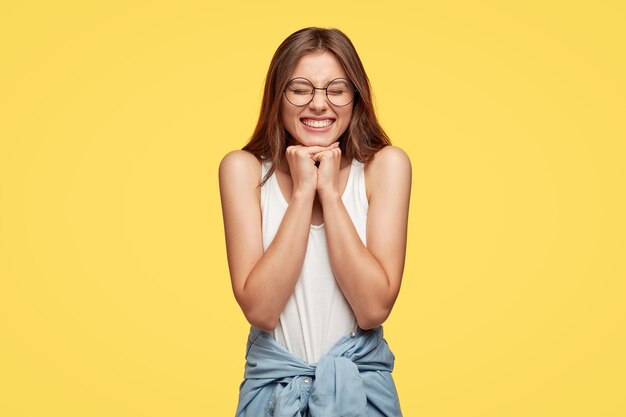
239,161
390,157
389,169
241,167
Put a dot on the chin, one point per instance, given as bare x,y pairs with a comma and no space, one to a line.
320,142
312,140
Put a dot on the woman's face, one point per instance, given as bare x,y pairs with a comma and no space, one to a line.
330,121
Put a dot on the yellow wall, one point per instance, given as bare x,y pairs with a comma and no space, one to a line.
115,297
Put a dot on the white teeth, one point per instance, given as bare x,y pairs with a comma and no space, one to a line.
317,123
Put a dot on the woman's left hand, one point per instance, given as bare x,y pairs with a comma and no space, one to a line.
328,171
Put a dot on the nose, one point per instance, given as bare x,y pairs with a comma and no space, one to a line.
319,101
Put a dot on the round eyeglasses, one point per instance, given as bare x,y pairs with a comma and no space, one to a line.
339,92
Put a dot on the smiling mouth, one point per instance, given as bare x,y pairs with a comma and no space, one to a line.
317,124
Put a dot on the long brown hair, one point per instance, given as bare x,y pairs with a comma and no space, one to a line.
364,135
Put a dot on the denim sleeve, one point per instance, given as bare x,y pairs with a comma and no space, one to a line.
382,397
254,398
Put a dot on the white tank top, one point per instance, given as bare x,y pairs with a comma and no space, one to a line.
317,313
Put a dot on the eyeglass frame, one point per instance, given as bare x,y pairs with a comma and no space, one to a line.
356,91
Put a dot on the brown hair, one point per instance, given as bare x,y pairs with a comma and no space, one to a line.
364,135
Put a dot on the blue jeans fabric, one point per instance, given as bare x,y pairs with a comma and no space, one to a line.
352,380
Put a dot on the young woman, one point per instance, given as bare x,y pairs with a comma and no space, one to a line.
315,215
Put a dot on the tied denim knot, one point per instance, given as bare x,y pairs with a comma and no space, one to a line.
324,395
355,371
340,391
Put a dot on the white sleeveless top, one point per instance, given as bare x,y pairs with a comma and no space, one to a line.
317,313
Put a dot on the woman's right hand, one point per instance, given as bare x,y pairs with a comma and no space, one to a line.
302,166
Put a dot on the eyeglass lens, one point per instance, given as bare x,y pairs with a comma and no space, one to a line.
339,92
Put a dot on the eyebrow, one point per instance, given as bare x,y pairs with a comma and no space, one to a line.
341,79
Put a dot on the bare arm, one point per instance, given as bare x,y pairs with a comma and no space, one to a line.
263,281
370,277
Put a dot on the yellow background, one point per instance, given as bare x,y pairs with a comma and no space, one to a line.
115,297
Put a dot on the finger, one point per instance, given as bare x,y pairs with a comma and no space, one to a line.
316,149
293,148
316,157
311,150
331,148
322,155
333,151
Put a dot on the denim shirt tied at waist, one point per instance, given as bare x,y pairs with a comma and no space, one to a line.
352,380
